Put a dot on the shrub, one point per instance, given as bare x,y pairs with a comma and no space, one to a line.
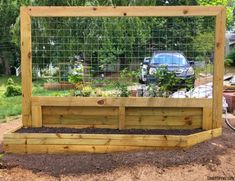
12,89
122,88
77,74
86,91
231,57
74,79
165,80
228,62
128,75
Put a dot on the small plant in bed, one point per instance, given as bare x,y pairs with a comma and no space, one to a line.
129,75
86,91
77,74
165,84
122,88
12,89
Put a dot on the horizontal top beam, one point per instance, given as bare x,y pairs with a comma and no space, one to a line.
120,11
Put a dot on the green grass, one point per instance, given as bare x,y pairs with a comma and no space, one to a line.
207,69
38,90
9,106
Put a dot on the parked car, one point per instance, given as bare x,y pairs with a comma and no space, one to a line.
144,68
174,61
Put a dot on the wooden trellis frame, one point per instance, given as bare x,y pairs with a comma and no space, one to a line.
32,106
187,113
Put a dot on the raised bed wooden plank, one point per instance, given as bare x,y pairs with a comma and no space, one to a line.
98,143
115,142
163,120
79,110
185,127
89,136
162,111
120,101
79,120
203,136
111,126
73,149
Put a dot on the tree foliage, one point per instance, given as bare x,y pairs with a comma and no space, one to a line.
107,49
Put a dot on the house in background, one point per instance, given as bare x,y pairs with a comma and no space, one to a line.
230,42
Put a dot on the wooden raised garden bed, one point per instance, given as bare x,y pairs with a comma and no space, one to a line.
164,115
99,143
58,86
116,113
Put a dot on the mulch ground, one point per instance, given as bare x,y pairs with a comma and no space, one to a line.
205,161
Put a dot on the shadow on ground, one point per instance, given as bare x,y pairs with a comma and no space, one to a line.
55,165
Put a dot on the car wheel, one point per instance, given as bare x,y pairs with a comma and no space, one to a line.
141,81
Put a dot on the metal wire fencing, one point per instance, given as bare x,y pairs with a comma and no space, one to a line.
123,56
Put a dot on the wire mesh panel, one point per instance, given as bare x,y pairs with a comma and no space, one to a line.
123,56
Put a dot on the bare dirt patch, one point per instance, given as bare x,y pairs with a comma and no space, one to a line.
214,158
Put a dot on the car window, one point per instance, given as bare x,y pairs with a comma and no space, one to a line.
169,59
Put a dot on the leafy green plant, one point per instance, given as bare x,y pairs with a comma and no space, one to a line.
86,91
228,62
231,57
122,88
165,81
132,76
73,79
77,75
79,86
12,89
153,90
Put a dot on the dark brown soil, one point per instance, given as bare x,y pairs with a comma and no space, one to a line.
108,131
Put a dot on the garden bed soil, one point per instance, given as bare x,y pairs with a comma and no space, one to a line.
109,131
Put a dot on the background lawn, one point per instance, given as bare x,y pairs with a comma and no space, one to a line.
10,106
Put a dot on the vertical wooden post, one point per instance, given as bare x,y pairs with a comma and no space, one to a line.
122,117
26,67
218,69
36,116
207,118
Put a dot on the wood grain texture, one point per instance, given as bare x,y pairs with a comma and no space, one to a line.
130,117
99,143
26,67
120,101
123,11
122,117
36,116
207,118
218,69
30,103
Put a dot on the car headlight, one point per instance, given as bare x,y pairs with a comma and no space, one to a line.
145,67
152,71
190,71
